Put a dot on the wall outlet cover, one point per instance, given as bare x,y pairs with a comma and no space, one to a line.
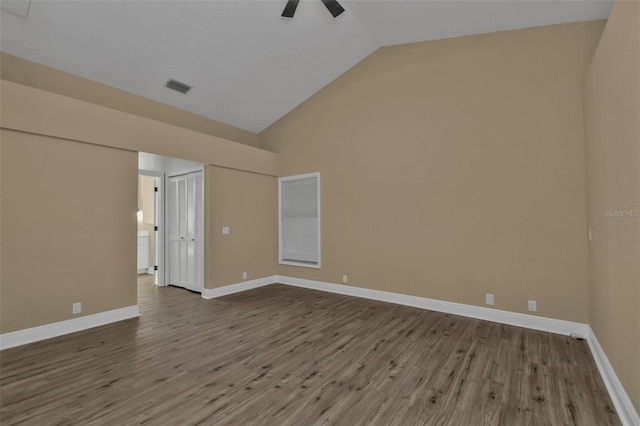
489,299
77,307
533,306
345,279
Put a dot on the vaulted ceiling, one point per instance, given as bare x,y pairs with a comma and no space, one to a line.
248,66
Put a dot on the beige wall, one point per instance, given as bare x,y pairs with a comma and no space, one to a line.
32,74
247,204
454,168
37,111
64,140
68,229
449,169
612,130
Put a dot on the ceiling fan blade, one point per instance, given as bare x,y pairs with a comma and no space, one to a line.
334,7
290,8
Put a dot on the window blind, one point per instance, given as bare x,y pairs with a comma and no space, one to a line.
299,219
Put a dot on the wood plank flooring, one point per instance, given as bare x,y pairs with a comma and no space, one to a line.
281,355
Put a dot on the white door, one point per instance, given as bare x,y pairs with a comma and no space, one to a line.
186,231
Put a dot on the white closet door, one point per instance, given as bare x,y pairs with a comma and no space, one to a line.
182,229
186,231
173,229
199,231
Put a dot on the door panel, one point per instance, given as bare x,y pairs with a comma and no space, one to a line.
186,231
173,232
199,231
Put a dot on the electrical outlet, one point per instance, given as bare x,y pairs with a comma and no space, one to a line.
77,307
345,279
244,275
225,230
489,299
533,307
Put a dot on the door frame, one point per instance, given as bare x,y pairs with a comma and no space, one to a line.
178,173
160,222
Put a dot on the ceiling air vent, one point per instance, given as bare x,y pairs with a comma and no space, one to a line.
178,86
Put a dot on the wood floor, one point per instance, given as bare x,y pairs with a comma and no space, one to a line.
281,355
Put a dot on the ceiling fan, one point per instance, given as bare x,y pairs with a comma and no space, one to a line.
332,5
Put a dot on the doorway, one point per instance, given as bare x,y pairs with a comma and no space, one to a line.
177,232
148,225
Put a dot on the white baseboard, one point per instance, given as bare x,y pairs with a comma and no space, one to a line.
151,271
495,315
30,335
504,317
212,293
624,407
621,401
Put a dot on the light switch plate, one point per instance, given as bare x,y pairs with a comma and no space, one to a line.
225,230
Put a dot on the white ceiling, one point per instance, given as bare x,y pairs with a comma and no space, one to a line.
248,66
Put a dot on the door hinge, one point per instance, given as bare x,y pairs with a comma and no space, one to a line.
155,189
155,267
155,228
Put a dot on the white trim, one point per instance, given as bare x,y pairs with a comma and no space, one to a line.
150,270
147,172
316,265
47,331
627,413
495,315
212,293
302,264
623,405
504,317
159,221
186,171
621,401
200,266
